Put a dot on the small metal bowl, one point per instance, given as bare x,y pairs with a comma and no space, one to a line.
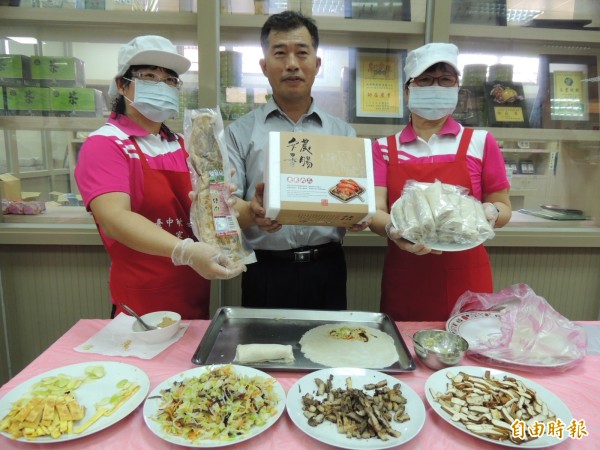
439,349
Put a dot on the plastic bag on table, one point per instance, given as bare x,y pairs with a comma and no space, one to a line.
533,336
213,220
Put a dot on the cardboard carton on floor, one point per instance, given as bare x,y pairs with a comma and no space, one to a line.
316,179
10,187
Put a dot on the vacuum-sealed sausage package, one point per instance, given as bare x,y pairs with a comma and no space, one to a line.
213,220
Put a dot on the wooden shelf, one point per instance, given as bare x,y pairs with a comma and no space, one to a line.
526,35
56,24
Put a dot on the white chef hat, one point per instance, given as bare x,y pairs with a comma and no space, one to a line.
149,51
420,59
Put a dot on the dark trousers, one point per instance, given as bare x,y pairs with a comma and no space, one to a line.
275,283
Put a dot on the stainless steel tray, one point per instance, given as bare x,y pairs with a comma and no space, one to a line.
231,326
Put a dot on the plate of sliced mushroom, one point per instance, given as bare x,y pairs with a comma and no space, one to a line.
355,408
498,406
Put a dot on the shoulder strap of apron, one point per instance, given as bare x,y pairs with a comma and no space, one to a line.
140,153
392,150
463,145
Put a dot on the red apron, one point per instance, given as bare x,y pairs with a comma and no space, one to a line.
425,288
150,283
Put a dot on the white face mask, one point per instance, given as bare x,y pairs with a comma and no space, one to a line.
155,101
432,102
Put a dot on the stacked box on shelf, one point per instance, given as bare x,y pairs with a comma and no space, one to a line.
57,71
76,102
230,68
15,70
188,99
95,4
26,100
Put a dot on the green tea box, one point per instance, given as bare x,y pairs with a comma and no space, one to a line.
14,70
57,71
76,102
27,101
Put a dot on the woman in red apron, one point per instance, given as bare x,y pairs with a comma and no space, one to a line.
132,174
418,284
148,283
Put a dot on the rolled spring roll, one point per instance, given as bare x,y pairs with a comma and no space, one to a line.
436,201
424,216
469,213
253,353
412,229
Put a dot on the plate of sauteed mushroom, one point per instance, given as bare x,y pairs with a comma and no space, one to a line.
355,408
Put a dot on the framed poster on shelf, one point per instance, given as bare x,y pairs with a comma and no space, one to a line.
568,92
506,104
377,86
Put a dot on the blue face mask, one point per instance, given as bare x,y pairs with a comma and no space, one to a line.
432,102
155,101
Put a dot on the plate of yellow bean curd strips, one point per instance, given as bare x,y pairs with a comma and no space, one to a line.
71,402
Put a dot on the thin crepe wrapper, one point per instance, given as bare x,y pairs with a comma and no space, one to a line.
534,336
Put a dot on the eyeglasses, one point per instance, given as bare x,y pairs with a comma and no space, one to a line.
152,77
428,80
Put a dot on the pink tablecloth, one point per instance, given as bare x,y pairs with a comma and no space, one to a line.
578,388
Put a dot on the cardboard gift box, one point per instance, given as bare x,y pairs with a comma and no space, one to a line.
76,102
316,179
57,71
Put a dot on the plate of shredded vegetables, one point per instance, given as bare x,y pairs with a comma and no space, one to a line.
214,406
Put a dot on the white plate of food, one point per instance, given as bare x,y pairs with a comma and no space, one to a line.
85,388
206,382
475,326
327,431
504,434
453,246
478,327
446,246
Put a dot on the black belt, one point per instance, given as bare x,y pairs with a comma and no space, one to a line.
301,254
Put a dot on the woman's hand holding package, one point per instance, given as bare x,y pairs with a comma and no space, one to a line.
395,235
491,213
205,259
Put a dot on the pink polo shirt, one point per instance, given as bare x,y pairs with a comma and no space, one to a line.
108,162
484,157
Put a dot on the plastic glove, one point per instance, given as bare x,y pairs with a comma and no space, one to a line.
392,232
205,259
491,213
418,249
